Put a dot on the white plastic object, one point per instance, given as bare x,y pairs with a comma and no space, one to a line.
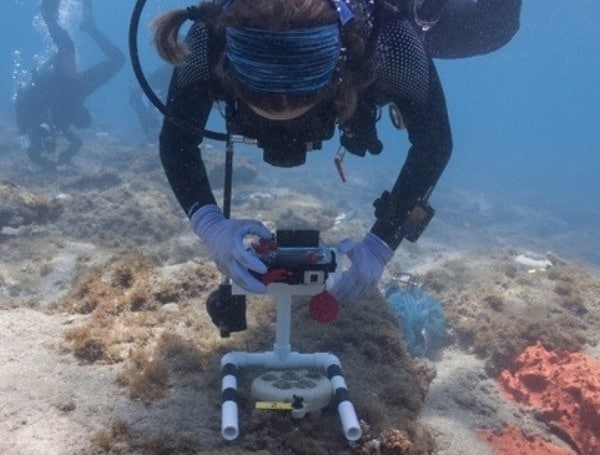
311,389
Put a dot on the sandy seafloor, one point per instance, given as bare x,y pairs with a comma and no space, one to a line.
105,345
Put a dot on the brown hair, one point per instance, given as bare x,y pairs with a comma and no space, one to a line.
354,69
167,26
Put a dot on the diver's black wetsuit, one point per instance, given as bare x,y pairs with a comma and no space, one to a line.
405,75
53,101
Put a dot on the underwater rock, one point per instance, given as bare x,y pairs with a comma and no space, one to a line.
563,387
422,320
90,182
19,207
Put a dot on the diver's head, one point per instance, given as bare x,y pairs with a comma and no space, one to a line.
282,57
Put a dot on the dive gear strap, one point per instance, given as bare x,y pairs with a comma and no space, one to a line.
391,229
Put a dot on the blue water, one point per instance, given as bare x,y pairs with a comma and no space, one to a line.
525,118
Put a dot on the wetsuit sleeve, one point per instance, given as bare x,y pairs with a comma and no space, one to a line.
467,28
409,78
189,102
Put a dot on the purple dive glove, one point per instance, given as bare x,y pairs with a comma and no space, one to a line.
368,257
224,240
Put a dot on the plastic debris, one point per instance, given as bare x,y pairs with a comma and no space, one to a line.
422,320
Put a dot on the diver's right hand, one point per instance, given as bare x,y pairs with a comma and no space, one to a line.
224,240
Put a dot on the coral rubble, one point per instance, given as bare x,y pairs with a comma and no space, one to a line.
19,207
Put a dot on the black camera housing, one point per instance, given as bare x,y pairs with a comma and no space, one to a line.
295,257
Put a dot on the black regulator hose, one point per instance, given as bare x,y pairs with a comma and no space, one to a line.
141,78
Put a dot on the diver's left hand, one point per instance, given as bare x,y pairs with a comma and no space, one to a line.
368,257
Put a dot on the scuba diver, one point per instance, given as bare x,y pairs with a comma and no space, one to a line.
290,71
53,101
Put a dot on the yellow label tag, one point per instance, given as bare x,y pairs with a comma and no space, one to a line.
274,405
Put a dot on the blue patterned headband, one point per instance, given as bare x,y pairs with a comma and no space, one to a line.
299,61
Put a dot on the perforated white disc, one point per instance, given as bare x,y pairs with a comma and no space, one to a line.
312,389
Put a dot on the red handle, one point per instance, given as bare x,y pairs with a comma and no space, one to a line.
323,307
